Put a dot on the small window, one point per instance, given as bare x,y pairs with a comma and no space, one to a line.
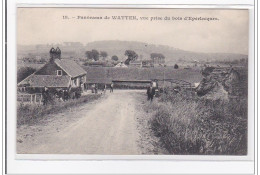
59,72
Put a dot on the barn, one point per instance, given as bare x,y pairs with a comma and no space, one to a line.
57,73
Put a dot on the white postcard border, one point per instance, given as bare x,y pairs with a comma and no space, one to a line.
18,163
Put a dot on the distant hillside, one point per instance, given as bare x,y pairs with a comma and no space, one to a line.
172,55
114,47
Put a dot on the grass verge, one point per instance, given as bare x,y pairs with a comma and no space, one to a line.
29,114
191,125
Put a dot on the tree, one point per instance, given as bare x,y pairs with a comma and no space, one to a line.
95,54
131,56
89,55
158,56
24,72
115,58
103,54
176,66
92,55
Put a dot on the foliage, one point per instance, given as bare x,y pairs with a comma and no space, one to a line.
103,54
115,58
187,124
92,55
89,55
34,60
176,66
131,56
157,55
24,72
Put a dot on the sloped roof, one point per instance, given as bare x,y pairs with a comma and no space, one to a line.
46,80
99,80
70,67
121,65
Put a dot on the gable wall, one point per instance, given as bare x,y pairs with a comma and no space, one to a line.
50,69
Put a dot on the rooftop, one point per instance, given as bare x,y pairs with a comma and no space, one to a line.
70,67
45,80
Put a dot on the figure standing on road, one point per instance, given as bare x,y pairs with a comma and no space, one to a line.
96,88
150,92
66,95
93,88
45,96
105,88
111,87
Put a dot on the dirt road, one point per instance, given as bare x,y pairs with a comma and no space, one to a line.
108,126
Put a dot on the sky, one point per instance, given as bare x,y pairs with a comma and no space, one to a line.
227,34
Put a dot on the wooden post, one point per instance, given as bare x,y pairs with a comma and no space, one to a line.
31,98
41,99
35,98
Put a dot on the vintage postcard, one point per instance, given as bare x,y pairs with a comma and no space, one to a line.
97,81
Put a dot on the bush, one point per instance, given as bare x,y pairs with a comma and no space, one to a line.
176,66
115,58
201,126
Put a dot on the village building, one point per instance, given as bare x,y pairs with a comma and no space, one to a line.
137,64
141,63
57,73
147,63
121,64
158,61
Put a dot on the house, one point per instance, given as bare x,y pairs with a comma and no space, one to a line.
147,63
142,63
137,64
158,61
57,73
121,64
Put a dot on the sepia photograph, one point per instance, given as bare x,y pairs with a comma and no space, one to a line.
98,81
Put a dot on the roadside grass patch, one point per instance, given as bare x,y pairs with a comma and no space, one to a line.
199,126
30,114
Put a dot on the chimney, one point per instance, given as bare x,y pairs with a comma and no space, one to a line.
58,53
55,54
52,54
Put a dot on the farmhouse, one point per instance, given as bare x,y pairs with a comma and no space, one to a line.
137,64
141,63
121,64
159,61
147,63
57,73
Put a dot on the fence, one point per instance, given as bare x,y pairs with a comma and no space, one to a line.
30,98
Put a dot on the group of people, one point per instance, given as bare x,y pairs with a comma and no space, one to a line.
61,95
94,88
64,94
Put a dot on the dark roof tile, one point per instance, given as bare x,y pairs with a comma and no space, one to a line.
70,67
46,80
